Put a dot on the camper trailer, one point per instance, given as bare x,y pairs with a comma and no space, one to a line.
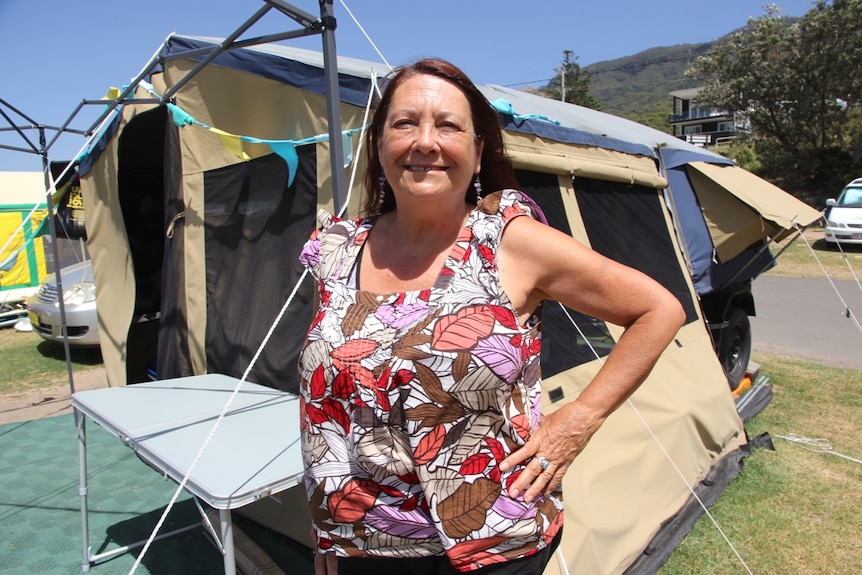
197,209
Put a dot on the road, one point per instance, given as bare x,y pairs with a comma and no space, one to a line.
806,318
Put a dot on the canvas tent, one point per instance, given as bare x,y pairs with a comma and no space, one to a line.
196,212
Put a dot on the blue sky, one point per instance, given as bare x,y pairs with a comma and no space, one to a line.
55,53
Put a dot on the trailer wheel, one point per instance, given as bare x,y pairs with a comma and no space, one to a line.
735,349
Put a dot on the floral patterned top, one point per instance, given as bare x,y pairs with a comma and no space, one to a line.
410,401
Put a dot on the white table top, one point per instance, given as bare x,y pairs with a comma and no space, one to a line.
255,451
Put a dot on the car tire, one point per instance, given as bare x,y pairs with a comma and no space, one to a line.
735,349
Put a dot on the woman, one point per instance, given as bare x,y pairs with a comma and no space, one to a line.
423,443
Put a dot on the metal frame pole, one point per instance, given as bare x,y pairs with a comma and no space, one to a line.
333,106
46,171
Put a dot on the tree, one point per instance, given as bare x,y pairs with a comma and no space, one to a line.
571,84
794,81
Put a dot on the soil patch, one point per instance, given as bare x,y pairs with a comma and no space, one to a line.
55,399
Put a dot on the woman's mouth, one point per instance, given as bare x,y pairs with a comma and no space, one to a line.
423,169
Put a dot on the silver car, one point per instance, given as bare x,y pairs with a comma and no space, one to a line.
79,296
844,215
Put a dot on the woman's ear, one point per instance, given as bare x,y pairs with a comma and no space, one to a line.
480,147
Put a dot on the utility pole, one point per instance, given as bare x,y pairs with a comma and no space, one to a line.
567,57
563,84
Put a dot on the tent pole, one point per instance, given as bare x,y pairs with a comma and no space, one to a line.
215,52
333,107
46,171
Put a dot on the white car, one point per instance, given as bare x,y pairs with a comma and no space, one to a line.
844,215
79,297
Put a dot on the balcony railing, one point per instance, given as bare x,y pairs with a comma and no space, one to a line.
698,115
707,139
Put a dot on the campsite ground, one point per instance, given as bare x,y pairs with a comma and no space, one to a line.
807,257
48,392
55,399
793,510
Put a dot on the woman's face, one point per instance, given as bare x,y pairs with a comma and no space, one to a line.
428,149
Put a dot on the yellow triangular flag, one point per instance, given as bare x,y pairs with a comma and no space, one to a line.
113,94
232,143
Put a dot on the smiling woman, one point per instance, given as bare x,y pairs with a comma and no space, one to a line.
425,447
416,119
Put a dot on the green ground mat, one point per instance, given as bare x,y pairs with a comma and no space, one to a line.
40,509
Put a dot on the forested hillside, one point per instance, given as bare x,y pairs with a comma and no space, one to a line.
637,87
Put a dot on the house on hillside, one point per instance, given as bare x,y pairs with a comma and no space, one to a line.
700,126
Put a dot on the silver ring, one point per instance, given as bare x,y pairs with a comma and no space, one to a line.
544,463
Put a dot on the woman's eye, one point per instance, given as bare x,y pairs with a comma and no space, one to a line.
403,124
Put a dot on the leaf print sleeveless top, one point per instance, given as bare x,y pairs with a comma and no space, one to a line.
410,401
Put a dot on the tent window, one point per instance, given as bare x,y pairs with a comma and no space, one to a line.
627,223
563,347
255,227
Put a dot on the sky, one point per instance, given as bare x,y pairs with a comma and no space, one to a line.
57,53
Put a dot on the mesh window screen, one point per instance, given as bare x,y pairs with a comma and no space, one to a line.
255,227
563,347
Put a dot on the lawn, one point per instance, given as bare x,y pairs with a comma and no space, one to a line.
29,362
795,509
811,256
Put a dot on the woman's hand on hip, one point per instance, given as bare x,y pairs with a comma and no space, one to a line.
560,437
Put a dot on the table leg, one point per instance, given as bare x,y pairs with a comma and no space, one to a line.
81,426
227,541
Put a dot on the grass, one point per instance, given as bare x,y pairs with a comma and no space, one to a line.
29,362
792,510
805,256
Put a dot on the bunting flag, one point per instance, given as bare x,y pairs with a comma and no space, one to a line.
286,149
504,107
232,143
113,94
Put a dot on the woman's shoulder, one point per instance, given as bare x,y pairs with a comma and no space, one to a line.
509,204
332,227
331,236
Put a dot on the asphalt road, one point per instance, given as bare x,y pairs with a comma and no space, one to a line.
807,318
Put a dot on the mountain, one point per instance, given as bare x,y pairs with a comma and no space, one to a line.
637,87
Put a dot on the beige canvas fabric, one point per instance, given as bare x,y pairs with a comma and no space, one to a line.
663,441
256,107
741,208
108,247
531,152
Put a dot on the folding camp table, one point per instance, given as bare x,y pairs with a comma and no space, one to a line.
254,453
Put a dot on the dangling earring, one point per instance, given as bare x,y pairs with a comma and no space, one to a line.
478,186
381,193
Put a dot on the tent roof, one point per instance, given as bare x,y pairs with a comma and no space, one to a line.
350,66
604,130
293,66
568,123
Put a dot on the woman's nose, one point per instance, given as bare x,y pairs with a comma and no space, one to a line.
426,137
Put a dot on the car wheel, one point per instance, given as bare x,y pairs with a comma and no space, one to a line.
735,349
